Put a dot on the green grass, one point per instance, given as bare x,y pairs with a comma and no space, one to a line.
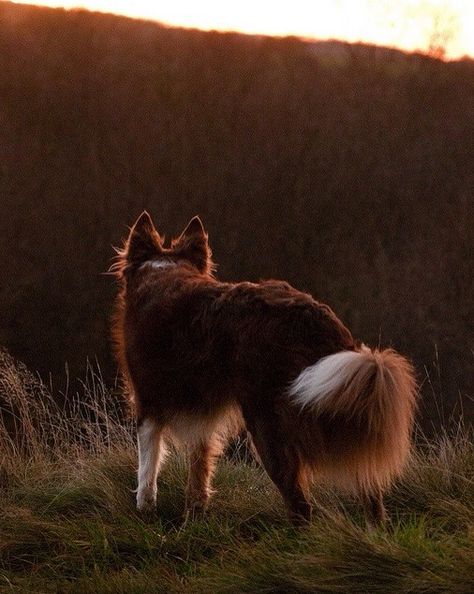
68,521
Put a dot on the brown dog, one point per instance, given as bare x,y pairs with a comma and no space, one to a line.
204,358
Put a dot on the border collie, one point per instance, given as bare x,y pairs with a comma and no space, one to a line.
204,359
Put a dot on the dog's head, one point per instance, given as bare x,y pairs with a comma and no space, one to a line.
144,244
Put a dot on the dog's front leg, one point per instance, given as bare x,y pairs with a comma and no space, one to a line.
202,464
151,452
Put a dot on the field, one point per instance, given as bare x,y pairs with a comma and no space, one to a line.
68,522
344,169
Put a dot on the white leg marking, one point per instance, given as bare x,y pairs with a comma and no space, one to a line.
151,452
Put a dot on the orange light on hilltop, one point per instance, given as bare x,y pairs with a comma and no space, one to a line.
427,25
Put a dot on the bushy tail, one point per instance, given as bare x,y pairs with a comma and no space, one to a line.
368,401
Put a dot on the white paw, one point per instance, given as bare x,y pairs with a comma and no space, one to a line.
146,500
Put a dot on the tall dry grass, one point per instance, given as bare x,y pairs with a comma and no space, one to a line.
34,425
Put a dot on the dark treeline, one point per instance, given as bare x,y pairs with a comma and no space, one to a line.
347,170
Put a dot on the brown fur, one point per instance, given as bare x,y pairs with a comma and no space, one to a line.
203,358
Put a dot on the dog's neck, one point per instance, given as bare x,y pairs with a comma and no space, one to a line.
158,264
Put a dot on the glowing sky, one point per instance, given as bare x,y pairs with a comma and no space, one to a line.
406,24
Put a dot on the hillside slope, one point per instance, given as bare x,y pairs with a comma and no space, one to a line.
351,178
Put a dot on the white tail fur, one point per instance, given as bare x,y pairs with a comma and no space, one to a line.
317,383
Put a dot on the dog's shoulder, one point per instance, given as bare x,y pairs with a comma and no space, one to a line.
267,293
269,297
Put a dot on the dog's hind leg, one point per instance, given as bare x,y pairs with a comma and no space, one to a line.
151,452
374,508
281,460
202,463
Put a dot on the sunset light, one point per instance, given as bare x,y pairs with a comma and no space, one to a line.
441,27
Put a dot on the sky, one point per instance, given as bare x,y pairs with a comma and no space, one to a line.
425,25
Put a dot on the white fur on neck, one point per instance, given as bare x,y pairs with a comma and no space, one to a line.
158,264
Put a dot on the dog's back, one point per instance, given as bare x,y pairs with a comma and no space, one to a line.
200,354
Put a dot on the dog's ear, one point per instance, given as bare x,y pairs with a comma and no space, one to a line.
144,241
192,245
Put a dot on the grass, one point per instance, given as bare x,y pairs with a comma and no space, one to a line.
68,522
